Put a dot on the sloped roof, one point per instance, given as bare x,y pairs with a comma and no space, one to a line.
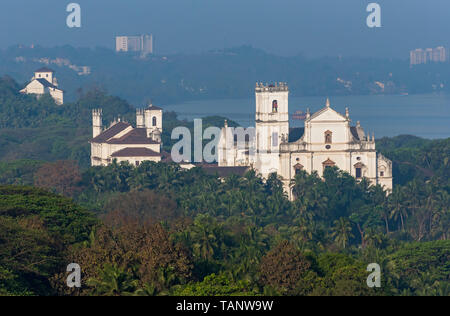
134,137
295,134
135,152
325,110
45,69
111,132
357,132
46,83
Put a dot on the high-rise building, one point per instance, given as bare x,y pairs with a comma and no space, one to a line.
142,43
423,56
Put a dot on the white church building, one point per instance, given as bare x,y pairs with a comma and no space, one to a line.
327,139
44,81
122,142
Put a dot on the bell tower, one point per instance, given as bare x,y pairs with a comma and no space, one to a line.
97,125
153,120
272,124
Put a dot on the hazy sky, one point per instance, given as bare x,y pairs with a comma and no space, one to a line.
285,27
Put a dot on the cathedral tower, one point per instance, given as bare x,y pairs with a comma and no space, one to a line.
272,124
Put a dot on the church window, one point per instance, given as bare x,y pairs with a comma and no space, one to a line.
274,106
298,168
154,121
328,163
328,137
274,139
358,170
382,174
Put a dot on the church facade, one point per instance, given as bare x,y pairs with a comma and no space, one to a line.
121,141
327,139
44,81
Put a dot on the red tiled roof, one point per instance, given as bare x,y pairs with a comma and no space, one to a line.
136,136
111,132
136,152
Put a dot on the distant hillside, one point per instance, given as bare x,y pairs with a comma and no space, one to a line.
229,73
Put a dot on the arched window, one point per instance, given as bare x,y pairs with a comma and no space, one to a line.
154,121
328,137
274,106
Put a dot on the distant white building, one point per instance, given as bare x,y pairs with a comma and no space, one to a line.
429,55
328,139
123,142
44,81
143,44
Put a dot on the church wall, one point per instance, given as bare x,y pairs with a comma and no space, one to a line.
338,158
44,75
57,95
265,133
136,160
368,159
34,87
339,136
112,148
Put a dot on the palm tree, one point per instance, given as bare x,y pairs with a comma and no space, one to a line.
113,281
395,203
342,231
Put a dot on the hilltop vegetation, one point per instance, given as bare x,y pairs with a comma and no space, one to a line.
159,230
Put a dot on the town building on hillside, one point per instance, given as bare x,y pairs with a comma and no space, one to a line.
123,142
142,43
44,81
327,139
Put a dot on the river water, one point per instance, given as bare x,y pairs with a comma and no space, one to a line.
426,116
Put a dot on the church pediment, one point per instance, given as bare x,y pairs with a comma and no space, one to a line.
327,114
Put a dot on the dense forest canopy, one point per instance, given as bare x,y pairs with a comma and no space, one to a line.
156,229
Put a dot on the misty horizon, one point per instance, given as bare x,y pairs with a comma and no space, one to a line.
286,28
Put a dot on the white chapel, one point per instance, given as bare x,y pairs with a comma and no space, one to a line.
44,81
327,139
121,141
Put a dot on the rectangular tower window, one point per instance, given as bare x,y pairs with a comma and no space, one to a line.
274,139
